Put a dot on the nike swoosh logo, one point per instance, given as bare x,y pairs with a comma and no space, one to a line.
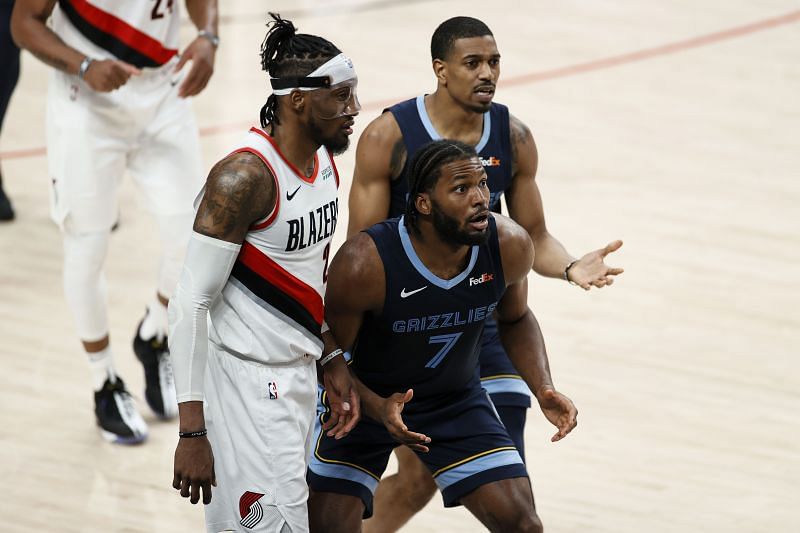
404,294
290,196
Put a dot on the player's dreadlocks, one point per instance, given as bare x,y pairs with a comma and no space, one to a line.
285,52
426,167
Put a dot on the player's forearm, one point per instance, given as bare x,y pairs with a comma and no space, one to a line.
524,344
191,417
551,257
32,34
371,403
204,15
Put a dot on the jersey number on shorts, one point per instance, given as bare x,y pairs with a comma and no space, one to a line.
449,341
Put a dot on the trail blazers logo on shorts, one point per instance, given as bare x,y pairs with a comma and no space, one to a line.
250,510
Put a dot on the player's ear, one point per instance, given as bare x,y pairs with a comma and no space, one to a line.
423,203
440,71
297,100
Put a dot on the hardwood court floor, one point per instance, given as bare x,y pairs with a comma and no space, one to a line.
685,372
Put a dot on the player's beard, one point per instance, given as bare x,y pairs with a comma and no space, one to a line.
337,144
450,230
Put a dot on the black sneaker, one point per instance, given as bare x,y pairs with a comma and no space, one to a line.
117,416
159,382
6,211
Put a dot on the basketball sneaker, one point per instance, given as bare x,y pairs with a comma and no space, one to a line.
159,382
117,416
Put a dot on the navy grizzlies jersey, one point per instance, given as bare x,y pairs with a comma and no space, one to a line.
493,148
428,334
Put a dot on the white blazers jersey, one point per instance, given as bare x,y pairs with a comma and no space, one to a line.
271,309
144,34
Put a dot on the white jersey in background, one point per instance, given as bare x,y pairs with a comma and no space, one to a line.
144,34
271,309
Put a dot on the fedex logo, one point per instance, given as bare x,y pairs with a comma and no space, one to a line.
483,279
492,161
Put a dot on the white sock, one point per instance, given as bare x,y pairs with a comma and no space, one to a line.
155,321
101,366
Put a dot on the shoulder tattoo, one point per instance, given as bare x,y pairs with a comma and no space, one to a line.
239,191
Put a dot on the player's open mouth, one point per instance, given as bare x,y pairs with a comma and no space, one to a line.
348,127
485,92
480,222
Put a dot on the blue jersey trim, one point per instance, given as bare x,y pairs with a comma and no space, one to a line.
481,464
445,284
510,385
426,121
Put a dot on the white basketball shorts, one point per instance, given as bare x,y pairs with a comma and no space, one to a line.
92,138
260,422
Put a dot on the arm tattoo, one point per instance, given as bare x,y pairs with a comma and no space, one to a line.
520,138
398,158
239,191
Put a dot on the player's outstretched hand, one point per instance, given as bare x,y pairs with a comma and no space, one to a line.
591,270
392,407
559,410
194,469
343,398
106,75
201,53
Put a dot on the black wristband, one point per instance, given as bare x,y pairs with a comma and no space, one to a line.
192,434
566,272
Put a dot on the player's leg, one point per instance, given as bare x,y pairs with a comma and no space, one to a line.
513,418
330,512
258,419
402,495
507,390
86,162
167,166
505,506
469,449
343,474
9,66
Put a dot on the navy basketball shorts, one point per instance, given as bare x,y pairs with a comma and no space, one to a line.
469,448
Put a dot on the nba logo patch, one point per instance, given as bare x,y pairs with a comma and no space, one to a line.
250,510
273,390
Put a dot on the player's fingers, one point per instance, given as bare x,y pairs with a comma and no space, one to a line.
611,247
128,68
418,448
182,59
176,481
185,485
206,493
609,281
355,405
195,493
615,271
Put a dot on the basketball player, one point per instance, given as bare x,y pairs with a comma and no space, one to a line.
9,66
256,265
427,282
116,101
466,63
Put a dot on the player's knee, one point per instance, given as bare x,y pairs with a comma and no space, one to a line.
523,521
417,486
334,513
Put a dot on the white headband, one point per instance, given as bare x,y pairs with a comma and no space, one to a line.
337,69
